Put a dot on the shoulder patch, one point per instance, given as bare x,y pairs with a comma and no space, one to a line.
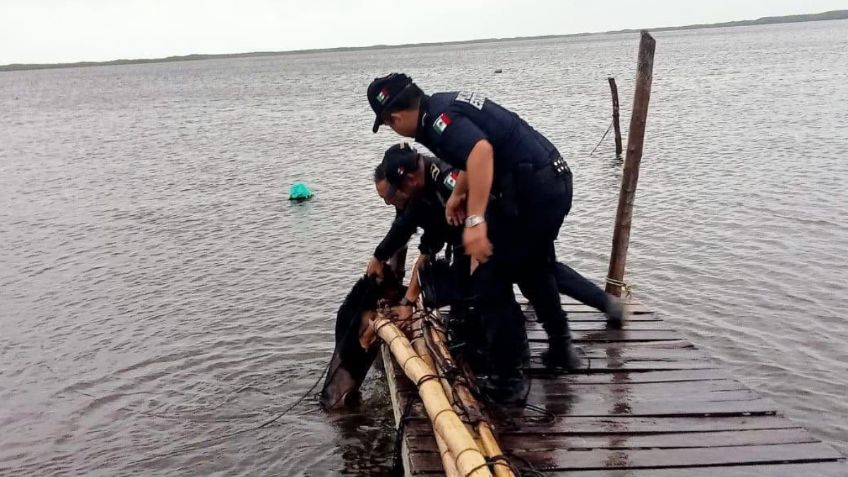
474,99
441,123
450,179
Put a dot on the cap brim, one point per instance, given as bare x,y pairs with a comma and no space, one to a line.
377,123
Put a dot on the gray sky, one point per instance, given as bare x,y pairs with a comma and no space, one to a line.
52,31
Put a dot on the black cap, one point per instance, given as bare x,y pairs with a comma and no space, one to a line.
382,92
397,161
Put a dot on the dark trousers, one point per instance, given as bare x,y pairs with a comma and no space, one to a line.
522,235
578,287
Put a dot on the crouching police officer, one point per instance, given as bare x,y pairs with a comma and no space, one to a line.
499,154
418,186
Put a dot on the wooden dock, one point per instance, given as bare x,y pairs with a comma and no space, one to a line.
650,404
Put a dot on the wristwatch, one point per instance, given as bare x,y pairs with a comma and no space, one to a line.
406,302
473,221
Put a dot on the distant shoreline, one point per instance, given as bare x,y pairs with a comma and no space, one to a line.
831,15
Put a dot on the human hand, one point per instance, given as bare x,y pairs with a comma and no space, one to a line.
476,242
455,209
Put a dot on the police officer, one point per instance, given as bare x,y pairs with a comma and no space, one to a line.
418,186
502,155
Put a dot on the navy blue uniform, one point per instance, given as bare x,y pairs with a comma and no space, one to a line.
532,192
426,212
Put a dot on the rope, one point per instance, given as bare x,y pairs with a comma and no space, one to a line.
625,287
602,137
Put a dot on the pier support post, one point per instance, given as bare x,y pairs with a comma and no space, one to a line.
615,123
635,140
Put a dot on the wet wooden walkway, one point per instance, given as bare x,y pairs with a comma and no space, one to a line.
650,405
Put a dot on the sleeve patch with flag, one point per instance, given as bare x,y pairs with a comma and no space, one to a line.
450,180
441,123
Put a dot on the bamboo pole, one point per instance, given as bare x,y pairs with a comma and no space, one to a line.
448,462
488,443
615,123
635,141
469,460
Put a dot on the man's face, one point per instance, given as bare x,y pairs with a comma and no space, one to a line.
404,122
390,195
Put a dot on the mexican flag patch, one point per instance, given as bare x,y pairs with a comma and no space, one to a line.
383,95
450,180
442,122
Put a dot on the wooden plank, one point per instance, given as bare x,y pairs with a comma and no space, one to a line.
612,347
601,326
612,335
616,377
648,408
541,442
625,353
554,389
600,459
827,469
582,426
603,365
633,308
398,399
608,396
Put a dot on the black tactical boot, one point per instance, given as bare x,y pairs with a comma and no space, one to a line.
614,312
562,355
506,388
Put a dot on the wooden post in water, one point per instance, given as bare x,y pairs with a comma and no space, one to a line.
615,123
635,140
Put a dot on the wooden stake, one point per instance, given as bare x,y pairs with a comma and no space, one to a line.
615,123
635,140
469,461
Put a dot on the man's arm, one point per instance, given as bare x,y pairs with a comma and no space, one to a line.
399,234
481,170
481,167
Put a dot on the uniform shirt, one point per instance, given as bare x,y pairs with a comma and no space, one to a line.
426,211
450,124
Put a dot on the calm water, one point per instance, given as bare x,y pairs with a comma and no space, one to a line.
157,290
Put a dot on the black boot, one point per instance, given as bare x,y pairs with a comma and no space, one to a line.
562,355
507,383
615,312
509,388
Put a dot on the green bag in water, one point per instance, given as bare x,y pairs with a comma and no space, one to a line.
299,192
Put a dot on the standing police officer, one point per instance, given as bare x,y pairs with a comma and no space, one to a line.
512,238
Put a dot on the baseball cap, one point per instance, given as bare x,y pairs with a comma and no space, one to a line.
397,161
384,91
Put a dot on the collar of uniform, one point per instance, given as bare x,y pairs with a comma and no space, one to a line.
422,117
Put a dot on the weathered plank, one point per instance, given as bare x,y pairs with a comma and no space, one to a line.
542,442
578,426
597,459
824,469
581,336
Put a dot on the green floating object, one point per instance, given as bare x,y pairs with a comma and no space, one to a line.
299,192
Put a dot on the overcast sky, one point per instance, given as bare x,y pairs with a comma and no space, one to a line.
52,31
